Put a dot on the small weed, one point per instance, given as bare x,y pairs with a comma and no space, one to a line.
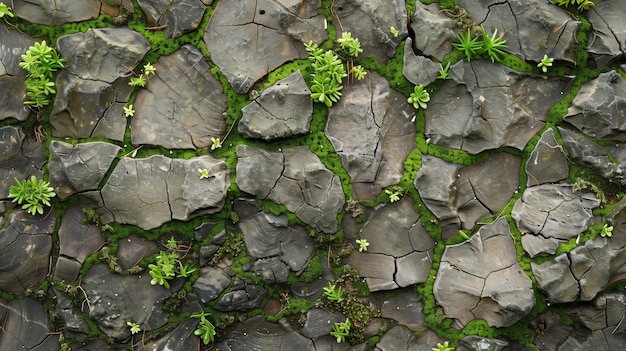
32,194
419,97
545,63
341,330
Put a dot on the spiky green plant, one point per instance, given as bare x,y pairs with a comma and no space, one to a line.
32,194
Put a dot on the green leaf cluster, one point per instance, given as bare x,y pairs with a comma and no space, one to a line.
328,73
168,266
581,5
6,11
485,44
341,330
32,194
205,329
40,61
443,347
419,97
334,293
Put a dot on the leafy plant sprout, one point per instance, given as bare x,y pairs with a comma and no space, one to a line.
205,329
6,11
545,63
334,293
341,330
134,327
168,265
129,111
394,31
350,44
443,71
40,61
32,194
204,173
149,69
443,347
358,72
419,97
216,143
395,192
468,44
493,45
583,5
607,230
363,244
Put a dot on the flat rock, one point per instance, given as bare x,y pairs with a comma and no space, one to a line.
606,38
283,110
151,191
27,321
276,31
477,343
369,21
435,31
372,128
555,279
553,211
418,69
599,108
178,17
182,105
406,308
244,295
551,332
532,28
400,338
461,195
56,13
481,279
486,106
586,152
180,338
92,89
402,256
74,325
80,167
117,299
211,283
12,77
295,178
132,249
547,162
320,322
25,248
20,157
257,333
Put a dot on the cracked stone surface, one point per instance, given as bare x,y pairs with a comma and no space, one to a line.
257,333
555,279
399,258
407,308
151,191
116,299
74,325
533,27
178,17
370,20
80,167
372,128
180,338
283,110
417,69
547,162
182,105
12,77
552,211
599,108
400,338
459,195
319,322
276,247
211,283
477,343
277,31
57,12
481,278
25,248
607,39
436,31
20,157
295,178
486,106
92,89
243,295
77,240
28,326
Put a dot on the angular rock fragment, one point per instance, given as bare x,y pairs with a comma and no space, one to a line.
481,279
556,280
20,157
276,30
547,162
461,195
486,106
176,17
12,77
606,40
295,178
244,295
257,333
211,283
283,110
58,12
27,321
372,128
434,31
182,106
417,69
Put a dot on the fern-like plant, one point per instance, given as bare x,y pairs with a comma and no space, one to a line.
32,194
40,61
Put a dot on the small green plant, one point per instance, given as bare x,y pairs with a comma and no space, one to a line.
581,184
607,230
545,63
216,143
468,44
6,11
358,72
341,330
445,347
40,61
204,173
394,31
396,191
32,194
443,71
581,5
419,97
168,266
139,80
129,111
350,44
134,327
334,293
205,329
493,44
363,244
